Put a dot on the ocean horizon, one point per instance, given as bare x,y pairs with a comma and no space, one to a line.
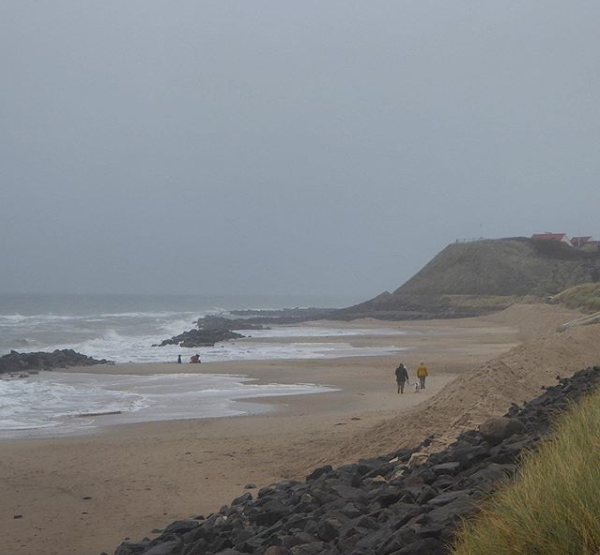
124,327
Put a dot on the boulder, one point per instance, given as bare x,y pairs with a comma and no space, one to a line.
495,430
427,546
318,472
276,550
314,548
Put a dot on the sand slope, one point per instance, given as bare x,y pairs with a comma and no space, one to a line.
513,377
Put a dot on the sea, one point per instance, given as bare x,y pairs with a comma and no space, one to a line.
124,329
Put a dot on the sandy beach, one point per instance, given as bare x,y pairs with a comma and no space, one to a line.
82,495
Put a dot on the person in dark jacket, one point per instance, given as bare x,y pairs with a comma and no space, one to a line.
401,377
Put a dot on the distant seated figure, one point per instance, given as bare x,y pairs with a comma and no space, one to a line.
195,359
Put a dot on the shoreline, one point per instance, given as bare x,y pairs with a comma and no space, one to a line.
143,476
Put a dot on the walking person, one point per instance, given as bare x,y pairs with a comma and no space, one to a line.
422,373
401,377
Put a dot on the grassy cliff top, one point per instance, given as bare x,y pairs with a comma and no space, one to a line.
503,267
468,279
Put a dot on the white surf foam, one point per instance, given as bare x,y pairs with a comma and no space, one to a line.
57,403
128,336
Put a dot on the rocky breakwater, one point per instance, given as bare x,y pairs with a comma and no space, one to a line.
200,338
210,330
23,362
402,503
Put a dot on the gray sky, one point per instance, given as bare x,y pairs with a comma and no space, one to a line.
286,147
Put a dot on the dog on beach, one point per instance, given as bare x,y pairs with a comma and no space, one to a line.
417,387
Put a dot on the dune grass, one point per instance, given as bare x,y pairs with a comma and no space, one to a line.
584,297
553,507
491,301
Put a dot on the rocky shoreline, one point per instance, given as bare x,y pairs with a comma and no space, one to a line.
402,503
214,329
23,362
200,338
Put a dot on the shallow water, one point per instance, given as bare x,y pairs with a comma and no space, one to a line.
55,403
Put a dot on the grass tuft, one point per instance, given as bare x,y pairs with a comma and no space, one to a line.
553,507
584,297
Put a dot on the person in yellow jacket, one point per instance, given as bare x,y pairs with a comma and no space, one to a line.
422,374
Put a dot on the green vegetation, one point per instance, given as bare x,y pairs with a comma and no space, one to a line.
553,507
584,297
491,302
470,279
503,267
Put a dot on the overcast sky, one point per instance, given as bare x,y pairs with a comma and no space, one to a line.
286,147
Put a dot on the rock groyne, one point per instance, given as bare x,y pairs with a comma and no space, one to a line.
22,362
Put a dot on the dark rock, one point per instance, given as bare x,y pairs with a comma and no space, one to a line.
404,512
377,538
351,510
349,493
448,497
418,494
130,548
495,430
314,548
426,546
182,526
318,472
329,529
242,499
487,479
271,512
219,323
451,513
200,338
276,550
366,523
65,358
446,468
468,455
172,547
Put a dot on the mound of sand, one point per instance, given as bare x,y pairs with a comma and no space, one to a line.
533,321
514,377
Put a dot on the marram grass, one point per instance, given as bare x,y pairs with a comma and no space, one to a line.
553,507
585,297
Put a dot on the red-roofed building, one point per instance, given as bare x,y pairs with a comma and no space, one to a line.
560,237
580,242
